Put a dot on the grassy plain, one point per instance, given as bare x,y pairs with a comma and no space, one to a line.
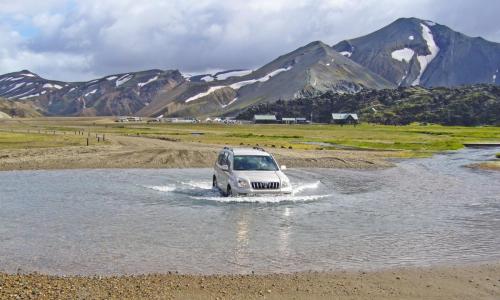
410,140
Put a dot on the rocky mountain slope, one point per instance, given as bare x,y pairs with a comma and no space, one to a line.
120,94
412,52
311,69
11,108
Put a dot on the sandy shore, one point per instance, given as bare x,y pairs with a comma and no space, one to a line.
139,152
490,165
467,282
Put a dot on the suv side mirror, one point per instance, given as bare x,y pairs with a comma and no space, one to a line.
224,168
283,168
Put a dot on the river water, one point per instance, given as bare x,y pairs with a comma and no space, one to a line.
422,212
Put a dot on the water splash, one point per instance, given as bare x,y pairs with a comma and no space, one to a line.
306,186
161,188
202,190
263,199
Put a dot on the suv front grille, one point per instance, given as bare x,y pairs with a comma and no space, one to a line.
265,185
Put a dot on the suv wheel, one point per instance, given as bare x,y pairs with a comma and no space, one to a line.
229,192
214,182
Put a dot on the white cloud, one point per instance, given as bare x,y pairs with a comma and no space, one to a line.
81,39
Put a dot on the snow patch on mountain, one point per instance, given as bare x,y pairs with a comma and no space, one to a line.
430,23
238,85
141,84
90,93
124,79
403,55
187,76
52,86
22,94
111,78
346,53
411,37
425,60
28,75
494,77
208,78
230,102
210,90
30,96
18,85
226,75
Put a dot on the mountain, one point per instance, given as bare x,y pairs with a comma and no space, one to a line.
120,94
23,109
408,52
466,105
311,69
412,52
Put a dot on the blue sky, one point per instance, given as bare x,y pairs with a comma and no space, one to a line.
80,40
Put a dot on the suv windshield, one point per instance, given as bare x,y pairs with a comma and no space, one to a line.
254,163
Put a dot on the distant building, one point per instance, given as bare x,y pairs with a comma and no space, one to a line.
345,119
264,119
288,120
186,120
294,121
301,121
129,119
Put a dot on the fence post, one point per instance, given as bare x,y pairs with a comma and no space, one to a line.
87,141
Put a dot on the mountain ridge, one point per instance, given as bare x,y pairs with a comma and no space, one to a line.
430,54
407,52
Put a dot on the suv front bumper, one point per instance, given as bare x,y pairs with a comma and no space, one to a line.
252,192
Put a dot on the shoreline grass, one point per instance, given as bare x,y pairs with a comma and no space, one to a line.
410,140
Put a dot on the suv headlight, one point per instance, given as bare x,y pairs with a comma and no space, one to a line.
285,184
242,183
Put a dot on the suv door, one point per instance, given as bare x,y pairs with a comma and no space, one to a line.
222,176
225,174
217,169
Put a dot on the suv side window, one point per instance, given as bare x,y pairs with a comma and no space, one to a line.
225,160
220,159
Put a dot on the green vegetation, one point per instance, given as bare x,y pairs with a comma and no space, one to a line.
409,140
24,140
497,155
467,105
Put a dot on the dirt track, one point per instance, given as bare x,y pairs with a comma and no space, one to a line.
140,152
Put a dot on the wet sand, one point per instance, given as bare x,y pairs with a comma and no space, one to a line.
490,165
139,152
465,282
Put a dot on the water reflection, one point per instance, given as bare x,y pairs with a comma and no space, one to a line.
284,232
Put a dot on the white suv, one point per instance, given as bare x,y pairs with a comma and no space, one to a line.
249,171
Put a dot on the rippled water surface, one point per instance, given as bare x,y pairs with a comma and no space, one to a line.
423,212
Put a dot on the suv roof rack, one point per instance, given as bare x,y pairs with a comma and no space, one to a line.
259,148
